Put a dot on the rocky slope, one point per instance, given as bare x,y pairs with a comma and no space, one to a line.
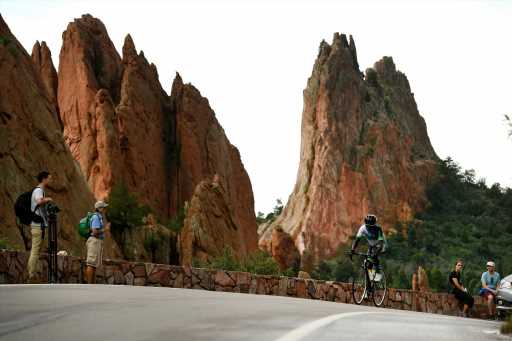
31,140
364,149
206,153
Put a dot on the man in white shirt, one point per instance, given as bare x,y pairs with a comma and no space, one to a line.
39,222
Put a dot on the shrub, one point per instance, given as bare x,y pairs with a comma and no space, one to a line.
261,263
258,262
372,78
176,223
151,243
3,244
225,261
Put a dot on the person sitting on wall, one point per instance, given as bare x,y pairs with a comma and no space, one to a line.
490,280
458,289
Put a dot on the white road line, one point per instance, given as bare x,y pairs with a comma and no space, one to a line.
310,327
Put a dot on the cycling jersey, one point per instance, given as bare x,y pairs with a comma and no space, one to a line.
373,235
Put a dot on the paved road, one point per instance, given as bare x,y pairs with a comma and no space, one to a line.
101,312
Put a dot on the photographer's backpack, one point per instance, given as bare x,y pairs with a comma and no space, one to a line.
84,225
22,208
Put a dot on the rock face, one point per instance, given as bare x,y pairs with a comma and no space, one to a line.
210,226
364,149
283,249
205,153
31,140
150,242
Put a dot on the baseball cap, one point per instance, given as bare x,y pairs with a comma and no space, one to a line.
490,263
100,204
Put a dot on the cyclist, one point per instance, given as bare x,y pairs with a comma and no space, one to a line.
377,243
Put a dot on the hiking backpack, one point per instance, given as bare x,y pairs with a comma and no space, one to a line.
84,226
22,208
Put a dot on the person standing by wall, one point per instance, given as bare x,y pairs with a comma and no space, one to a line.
458,289
39,223
95,242
490,280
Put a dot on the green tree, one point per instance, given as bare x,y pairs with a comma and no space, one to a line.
124,211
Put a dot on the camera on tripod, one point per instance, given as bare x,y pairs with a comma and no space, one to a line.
52,209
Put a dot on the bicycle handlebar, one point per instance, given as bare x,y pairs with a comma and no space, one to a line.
356,253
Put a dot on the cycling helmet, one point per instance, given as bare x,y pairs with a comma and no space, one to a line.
370,219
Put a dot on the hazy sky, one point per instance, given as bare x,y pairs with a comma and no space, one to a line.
251,59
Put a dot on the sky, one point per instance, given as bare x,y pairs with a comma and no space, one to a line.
252,59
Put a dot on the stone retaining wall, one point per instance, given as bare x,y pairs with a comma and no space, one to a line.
13,270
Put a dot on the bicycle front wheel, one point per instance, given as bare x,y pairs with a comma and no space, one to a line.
359,286
380,289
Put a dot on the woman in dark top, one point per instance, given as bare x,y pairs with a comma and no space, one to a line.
458,289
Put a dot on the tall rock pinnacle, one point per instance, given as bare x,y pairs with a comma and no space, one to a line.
364,149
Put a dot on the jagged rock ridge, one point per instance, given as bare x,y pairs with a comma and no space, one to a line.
122,127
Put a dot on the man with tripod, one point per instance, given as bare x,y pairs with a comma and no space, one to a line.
39,223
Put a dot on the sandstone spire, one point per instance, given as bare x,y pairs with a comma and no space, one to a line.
88,62
42,58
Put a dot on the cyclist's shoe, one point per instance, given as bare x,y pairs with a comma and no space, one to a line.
378,274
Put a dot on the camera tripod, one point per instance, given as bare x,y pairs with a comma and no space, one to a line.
52,248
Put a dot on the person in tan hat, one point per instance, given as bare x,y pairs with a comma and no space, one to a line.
490,280
95,241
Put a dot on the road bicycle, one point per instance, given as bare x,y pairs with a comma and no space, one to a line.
368,281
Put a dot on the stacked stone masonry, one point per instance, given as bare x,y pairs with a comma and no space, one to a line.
70,269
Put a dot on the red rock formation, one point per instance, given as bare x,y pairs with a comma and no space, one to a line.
114,114
364,149
42,58
420,280
88,62
283,249
210,226
31,140
204,152
122,127
144,120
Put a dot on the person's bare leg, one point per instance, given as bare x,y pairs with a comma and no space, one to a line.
493,306
489,305
465,311
90,274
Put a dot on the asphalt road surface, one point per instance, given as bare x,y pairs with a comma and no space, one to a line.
104,312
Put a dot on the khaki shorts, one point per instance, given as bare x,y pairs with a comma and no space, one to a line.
94,251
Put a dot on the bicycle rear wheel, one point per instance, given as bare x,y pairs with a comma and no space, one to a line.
380,289
359,286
